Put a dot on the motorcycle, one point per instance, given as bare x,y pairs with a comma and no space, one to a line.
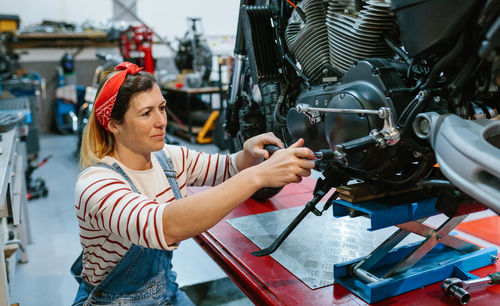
395,94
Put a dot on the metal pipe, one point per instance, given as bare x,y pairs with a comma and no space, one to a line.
478,281
235,81
306,108
365,275
240,44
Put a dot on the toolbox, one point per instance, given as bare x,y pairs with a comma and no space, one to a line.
9,23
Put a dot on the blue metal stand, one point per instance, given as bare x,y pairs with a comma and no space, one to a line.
385,273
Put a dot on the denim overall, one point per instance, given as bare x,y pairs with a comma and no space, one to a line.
143,276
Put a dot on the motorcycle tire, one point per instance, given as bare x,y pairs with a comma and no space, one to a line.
221,139
269,98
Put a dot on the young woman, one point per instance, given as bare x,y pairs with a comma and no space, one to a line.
131,199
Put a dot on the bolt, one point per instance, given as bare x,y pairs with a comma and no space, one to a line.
325,71
494,258
424,126
438,237
421,94
375,71
417,154
342,96
437,99
316,102
384,112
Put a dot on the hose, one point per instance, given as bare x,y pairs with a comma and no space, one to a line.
400,52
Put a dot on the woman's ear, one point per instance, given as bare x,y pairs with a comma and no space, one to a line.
113,126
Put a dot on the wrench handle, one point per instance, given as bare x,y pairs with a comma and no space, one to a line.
271,149
495,278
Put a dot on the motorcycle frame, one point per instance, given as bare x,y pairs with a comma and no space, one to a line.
467,182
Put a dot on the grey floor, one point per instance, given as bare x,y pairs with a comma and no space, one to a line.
45,279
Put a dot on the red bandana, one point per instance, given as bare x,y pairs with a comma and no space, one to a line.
106,100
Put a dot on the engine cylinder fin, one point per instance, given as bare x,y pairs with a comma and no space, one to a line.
356,35
309,42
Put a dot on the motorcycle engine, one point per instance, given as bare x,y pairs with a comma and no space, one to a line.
369,84
336,33
347,37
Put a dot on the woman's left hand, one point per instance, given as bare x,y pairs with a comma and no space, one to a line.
254,147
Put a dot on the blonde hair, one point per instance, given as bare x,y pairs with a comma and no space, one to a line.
96,141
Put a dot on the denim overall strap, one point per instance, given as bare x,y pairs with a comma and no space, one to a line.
115,167
77,267
143,276
168,169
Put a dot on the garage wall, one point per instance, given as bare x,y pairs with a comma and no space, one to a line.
34,11
167,17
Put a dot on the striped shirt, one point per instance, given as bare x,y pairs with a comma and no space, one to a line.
112,217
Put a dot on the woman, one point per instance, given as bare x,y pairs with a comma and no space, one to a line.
130,196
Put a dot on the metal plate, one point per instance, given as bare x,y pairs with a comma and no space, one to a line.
316,244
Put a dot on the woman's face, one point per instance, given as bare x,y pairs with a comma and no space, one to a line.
143,128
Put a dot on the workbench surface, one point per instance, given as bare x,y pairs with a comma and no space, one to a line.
266,282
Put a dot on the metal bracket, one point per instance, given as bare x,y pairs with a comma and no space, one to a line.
313,116
388,136
432,237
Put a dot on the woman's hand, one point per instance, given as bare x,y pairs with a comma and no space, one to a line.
192,215
255,146
253,151
286,166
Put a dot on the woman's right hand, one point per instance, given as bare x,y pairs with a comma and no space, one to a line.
286,166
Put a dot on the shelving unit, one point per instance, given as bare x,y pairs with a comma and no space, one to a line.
14,225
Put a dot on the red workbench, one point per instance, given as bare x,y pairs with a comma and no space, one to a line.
266,282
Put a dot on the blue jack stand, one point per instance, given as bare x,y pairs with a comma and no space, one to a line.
385,273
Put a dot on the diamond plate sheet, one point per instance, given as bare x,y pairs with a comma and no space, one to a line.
316,244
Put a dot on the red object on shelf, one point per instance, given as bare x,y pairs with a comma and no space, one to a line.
266,282
136,46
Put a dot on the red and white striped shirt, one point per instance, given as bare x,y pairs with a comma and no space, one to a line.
112,217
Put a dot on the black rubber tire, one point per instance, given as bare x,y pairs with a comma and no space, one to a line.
270,94
221,139
262,194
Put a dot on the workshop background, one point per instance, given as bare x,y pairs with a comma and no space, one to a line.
52,55
80,30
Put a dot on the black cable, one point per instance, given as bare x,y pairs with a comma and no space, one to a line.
277,109
413,113
417,103
395,48
406,110
410,67
435,183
